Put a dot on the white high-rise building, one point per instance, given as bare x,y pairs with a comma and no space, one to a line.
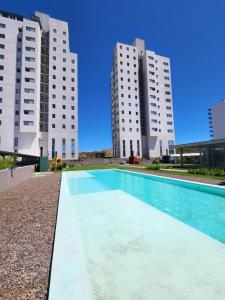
38,87
142,106
217,120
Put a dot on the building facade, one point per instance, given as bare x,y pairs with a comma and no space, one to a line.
216,115
142,106
38,87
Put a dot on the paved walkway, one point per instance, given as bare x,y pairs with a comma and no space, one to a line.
27,224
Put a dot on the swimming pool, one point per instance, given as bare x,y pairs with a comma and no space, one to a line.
124,235
200,206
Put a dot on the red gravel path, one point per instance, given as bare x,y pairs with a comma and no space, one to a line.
27,224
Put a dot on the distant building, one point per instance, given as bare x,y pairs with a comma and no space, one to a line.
96,154
217,120
142,106
38,87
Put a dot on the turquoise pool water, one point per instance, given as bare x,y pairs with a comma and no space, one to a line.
200,206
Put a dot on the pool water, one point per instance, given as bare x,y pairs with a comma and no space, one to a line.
200,206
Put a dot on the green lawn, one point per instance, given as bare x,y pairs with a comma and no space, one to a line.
89,167
159,172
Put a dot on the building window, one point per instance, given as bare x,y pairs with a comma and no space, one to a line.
2,25
30,49
30,29
28,123
30,59
29,69
124,149
160,148
28,101
53,148
29,79
138,147
30,39
63,148
170,146
72,147
131,147
16,142
29,91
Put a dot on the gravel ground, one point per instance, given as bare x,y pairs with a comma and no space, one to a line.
27,224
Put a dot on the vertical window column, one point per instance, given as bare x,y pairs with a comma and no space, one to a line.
53,148
138,147
72,147
160,146
124,149
131,147
63,148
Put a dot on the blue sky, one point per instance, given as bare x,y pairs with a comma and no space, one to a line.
191,33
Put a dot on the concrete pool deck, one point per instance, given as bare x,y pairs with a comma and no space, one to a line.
110,245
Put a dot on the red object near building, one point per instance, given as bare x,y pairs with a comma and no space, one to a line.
134,160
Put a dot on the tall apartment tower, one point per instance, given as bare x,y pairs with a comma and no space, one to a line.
217,120
142,107
38,87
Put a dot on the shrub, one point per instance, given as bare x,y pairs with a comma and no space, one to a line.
155,161
57,164
8,162
153,167
205,171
